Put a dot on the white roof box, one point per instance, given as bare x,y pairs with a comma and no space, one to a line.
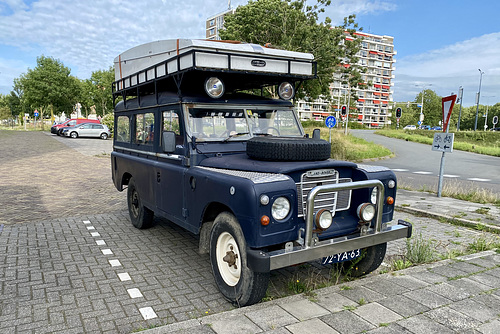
158,59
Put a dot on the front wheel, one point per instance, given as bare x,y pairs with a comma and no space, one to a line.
140,216
371,258
73,135
236,281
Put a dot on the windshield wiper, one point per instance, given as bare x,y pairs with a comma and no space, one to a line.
235,135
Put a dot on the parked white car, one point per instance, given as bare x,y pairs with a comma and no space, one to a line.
88,130
410,127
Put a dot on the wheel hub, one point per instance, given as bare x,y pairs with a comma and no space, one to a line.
230,258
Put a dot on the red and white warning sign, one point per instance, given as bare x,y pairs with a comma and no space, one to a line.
448,102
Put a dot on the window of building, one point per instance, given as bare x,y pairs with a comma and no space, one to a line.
212,22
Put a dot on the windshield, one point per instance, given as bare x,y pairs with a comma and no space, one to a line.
241,124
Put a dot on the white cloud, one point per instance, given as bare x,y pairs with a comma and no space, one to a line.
343,8
87,35
453,66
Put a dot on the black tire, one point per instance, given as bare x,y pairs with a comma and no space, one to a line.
104,136
73,135
140,216
371,258
235,280
288,149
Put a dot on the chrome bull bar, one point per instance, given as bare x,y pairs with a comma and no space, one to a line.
313,249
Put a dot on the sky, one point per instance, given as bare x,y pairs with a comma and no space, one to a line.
441,45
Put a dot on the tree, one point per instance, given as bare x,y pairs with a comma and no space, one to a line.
293,25
48,86
98,88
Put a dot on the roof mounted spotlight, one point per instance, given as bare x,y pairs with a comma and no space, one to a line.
214,87
286,91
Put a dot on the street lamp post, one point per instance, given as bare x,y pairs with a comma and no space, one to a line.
477,97
421,118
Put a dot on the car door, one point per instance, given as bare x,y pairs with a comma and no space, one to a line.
96,131
170,169
84,130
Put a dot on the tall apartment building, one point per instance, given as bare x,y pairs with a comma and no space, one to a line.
215,23
374,106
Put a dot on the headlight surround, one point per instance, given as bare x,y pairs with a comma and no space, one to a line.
373,195
323,219
281,208
366,212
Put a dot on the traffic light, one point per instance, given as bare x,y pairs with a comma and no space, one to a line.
398,113
344,110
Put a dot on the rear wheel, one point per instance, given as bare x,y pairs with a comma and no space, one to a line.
236,281
104,136
140,216
371,258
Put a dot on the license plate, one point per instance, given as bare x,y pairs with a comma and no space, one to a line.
341,257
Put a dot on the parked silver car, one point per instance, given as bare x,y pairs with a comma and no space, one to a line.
88,130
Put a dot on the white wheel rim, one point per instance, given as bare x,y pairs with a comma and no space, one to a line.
226,245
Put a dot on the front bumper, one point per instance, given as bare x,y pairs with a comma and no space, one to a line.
312,249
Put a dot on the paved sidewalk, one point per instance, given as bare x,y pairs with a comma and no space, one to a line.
452,296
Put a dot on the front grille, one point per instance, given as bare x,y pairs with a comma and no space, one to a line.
333,201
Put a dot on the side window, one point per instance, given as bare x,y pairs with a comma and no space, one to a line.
72,123
171,123
144,133
97,126
123,129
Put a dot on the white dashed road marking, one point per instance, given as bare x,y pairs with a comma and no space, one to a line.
478,179
148,313
451,176
422,172
115,263
124,277
134,293
400,170
106,251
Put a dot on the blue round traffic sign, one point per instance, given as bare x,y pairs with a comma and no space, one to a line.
330,121
36,113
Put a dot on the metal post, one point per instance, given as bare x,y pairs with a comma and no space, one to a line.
441,168
460,94
477,98
348,102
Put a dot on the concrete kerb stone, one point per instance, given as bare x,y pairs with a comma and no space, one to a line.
454,220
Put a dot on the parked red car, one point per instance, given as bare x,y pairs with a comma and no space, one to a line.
57,129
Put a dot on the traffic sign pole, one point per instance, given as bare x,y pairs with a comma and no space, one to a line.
447,104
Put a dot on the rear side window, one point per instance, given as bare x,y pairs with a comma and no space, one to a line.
97,126
123,129
144,126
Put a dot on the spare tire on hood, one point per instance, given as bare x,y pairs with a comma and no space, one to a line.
288,149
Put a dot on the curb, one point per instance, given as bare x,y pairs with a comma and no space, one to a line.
452,220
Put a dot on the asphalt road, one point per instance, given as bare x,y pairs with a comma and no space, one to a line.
417,165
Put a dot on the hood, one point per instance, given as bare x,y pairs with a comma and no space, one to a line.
243,162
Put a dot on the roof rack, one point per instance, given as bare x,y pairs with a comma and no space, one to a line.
240,66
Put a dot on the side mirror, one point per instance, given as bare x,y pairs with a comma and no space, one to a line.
316,134
168,142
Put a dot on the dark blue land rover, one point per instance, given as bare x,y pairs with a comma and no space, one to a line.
193,145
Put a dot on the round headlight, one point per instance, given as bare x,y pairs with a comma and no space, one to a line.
391,184
286,91
366,212
323,219
214,87
373,196
280,208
